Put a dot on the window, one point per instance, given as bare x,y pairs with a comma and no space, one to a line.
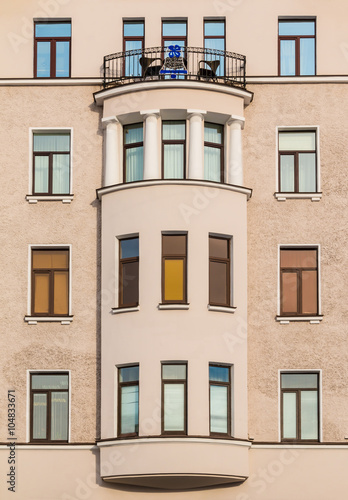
297,161
133,152
173,149
214,39
133,39
128,401
50,282
51,163
174,398
174,248
174,33
129,272
52,49
213,152
298,281
297,47
220,399
219,271
299,406
49,407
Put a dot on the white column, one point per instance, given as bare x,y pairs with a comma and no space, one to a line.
111,164
235,160
151,161
195,157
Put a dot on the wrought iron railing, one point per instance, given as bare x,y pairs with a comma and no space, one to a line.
175,63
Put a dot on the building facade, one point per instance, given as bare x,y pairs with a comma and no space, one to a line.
173,317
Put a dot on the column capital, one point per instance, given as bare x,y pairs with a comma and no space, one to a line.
107,120
236,119
150,112
196,112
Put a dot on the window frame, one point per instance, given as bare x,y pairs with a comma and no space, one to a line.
122,261
166,38
169,382
174,257
31,392
217,146
227,260
127,38
229,400
53,40
134,383
131,145
174,141
298,406
297,39
216,37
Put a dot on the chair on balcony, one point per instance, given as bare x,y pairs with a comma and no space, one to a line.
148,68
205,72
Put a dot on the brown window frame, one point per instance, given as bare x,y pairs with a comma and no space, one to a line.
297,40
228,270
220,147
52,40
131,145
169,382
132,383
298,271
173,141
50,272
298,408
48,392
122,261
127,38
229,389
175,257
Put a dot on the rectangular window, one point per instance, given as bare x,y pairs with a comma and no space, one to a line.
173,149
219,271
174,250
49,407
51,163
129,272
133,154
52,49
299,406
133,39
128,401
214,39
220,399
298,281
174,41
50,282
297,161
213,152
174,398
297,47
174,33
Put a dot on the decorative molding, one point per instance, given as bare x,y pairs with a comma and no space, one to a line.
222,309
298,196
174,306
33,198
285,320
63,320
119,310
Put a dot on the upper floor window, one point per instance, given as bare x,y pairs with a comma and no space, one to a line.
128,401
129,272
213,152
51,163
299,406
173,149
133,157
297,47
220,399
174,285
52,49
133,39
219,271
214,38
174,33
174,398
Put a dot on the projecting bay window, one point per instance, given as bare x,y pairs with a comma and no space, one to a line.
220,399
129,272
174,399
133,154
174,251
133,39
297,47
52,49
128,401
173,149
213,152
219,271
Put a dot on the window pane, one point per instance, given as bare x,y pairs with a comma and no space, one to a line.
52,142
215,44
41,295
289,415
43,59
289,293
62,59
174,409
287,57
298,258
133,133
129,248
174,244
287,173
309,292
133,28
129,409
293,28
130,283
219,373
50,259
299,380
213,133
61,293
52,29
50,381
131,62
307,172
39,416
219,247
173,161
61,174
174,279
173,130
129,374
214,28
307,56
218,409
177,372
218,283
212,164
170,28
297,141
41,174
59,416
309,415
134,164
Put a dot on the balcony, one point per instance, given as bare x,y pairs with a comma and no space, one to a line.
175,63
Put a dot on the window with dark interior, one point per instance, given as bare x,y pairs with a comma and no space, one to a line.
213,152
49,407
174,249
173,149
299,406
219,271
220,399
133,152
52,49
297,47
174,398
129,272
214,39
133,39
128,401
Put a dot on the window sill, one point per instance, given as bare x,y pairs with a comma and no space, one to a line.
225,309
119,310
174,306
33,198
285,320
34,320
298,196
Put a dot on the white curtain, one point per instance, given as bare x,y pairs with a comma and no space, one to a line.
174,416
307,172
129,409
287,174
40,416
218,409
289,415
287,57
59,416
309,415
173,154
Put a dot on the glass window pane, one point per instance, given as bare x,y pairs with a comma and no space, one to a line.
173,130
41,174
219,373
309,415
299,380
129,248
129,409
52,142
132,65
287,173
218,283
307,56
170,28
177,372
61,174
53,29
309,292
130,283
61,293
214,28
289,415
133,133
59,416
218,409
173,279
293,28
134,164
41,295
50,259
174,244
40,416
307,172
173,161
212,164
287,57
297,141
289,289
213,133
214,44
133,28
129,374
50,381
219,247
174,407
298,258
62,59
43,53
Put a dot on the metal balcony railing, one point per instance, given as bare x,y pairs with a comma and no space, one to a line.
175,63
